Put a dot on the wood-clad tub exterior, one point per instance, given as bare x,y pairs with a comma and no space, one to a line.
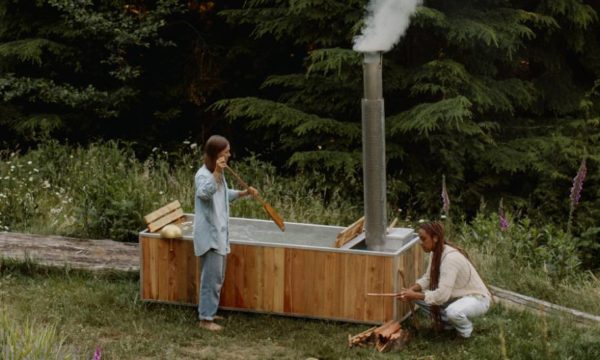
325,283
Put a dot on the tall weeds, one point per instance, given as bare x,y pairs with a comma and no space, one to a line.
30,341
103,190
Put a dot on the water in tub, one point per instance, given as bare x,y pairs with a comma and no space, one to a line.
263,231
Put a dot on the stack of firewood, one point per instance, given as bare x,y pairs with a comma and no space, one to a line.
385,337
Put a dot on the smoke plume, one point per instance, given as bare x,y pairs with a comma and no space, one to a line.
386,22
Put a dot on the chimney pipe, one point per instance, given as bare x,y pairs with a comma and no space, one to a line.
373,138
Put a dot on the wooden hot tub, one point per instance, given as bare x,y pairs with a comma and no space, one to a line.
296,273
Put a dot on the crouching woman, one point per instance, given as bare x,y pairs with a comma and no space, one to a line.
451,291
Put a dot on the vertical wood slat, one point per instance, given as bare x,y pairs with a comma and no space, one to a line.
163,268
145,266
388,287
333,285
278,276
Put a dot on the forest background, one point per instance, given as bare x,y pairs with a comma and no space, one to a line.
500,98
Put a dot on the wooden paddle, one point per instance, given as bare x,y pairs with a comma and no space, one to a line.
270,211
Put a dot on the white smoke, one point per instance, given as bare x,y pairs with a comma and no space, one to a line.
386,22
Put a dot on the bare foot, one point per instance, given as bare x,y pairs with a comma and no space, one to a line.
209,325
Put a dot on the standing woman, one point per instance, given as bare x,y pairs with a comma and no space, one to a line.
211,226
451,290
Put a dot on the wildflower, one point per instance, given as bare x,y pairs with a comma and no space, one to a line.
36,170
46,184
186,142
30,178
502,217
576,191
98,354
445,197
421,221
578,184
29,162
160,193
154,149
193,146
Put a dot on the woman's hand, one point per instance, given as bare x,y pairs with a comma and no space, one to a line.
409,295
251,191
220,165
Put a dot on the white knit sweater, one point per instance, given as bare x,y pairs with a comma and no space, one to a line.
458,278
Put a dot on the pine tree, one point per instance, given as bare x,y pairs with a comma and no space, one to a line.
60,59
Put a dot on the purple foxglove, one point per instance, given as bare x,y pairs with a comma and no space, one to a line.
98,354
578,184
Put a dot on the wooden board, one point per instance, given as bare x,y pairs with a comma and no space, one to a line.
155,215
350,232
166,219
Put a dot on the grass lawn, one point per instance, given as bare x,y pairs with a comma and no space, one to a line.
103,310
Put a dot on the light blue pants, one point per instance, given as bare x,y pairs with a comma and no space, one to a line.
212,270
456,314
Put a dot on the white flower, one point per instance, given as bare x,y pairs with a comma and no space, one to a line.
30,178
160,193
186,142
29,162
443,216
193,146
154,149
46,184
421,221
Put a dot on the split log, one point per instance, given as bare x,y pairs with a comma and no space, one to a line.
362,338
384,333
385,337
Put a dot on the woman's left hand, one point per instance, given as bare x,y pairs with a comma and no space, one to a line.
408,295
251,191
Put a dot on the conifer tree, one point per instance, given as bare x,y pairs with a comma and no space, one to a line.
72,63
495,94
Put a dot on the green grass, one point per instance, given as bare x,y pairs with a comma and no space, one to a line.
103,191
103,310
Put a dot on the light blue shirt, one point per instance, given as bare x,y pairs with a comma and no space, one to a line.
211,214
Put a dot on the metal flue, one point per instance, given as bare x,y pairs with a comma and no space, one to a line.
373,139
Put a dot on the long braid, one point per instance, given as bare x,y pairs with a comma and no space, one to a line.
435,229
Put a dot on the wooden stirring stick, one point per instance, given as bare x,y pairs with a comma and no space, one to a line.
270,211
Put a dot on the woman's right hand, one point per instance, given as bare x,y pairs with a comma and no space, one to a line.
219,166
